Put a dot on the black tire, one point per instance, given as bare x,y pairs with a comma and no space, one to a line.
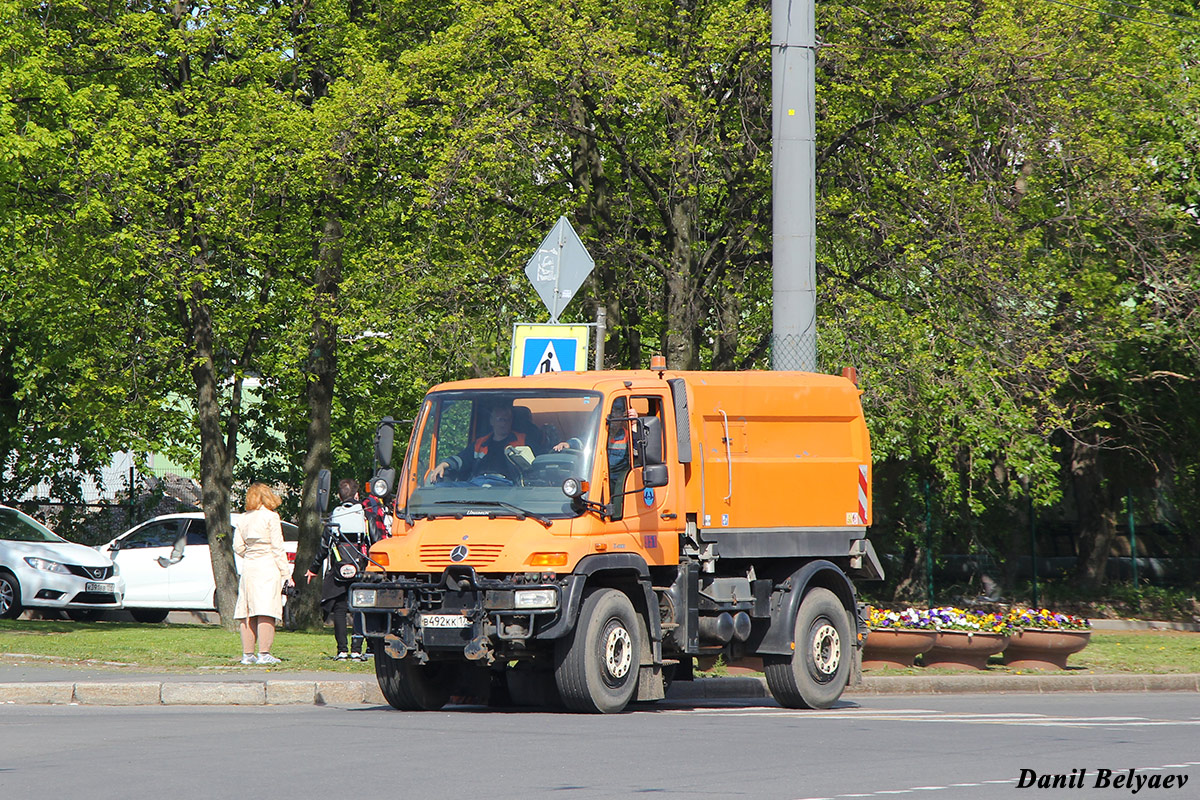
596,666
409,686
816,674
149,615
10,596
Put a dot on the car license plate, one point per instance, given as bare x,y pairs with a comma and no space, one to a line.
99,587
444,621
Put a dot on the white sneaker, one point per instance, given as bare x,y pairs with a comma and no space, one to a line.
267,658
249,658
342,656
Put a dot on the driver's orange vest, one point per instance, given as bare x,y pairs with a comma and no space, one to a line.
516,439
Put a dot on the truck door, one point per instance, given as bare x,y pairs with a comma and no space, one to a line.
645,512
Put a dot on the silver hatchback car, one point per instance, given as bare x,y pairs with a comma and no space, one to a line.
40,569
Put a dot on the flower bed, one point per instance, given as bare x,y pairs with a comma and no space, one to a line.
1045,619
966,638
945,618
1043,639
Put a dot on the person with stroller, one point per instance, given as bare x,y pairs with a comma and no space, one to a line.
348,525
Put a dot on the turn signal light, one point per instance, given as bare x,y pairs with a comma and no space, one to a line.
547,560
379,557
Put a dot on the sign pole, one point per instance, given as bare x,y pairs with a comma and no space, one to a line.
601,322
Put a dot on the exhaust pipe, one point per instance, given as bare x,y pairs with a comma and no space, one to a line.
719,628
741,626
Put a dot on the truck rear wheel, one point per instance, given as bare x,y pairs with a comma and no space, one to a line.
816,673
597,664
409,686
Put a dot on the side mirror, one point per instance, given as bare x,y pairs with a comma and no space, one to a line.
322,491
385,441
654,475
650,441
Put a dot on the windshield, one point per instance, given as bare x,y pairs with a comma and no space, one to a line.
502,452
17,527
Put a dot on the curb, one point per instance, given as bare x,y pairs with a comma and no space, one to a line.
1142,625
193,693
355,692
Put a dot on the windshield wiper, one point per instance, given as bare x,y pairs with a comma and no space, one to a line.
409,516
517,511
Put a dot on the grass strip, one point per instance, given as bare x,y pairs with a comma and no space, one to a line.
164,647
186,647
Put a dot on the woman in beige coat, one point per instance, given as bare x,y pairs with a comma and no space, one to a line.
265,569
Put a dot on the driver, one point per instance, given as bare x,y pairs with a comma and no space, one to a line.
487,453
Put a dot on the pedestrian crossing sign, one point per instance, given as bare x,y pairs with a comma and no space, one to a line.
548,348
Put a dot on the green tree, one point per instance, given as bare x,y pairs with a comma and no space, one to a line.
990,213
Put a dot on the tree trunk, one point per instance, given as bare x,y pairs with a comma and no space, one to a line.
9,409
914,583
322,372
216,456
1096,512
682,317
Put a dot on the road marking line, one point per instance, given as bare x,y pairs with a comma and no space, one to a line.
929,716
971,785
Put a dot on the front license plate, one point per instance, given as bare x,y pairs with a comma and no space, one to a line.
444,621
99,587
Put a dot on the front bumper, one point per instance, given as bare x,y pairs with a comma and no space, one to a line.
45,589
458,614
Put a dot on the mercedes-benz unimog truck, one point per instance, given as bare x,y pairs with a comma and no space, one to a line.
582,539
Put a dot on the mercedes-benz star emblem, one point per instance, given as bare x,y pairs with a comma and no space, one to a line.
459,553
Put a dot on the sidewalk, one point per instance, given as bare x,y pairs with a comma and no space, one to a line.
31,681
35,680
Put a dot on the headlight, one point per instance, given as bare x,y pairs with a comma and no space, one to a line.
535,598
49,566
363,598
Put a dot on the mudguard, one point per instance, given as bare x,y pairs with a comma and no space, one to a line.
778,638
577,581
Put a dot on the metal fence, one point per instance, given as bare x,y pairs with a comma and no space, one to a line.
102,515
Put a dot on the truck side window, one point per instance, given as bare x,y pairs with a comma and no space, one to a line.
616,444
622,443
648,406
453,426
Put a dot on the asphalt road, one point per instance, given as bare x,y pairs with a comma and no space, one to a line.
971,747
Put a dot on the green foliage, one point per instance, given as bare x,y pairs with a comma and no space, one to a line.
346,195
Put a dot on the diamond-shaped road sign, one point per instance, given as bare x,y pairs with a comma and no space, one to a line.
559,267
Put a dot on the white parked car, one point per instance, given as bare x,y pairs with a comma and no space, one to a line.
167,567
40,569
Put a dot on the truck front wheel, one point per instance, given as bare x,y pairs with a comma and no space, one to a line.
596,666
409,686
816,673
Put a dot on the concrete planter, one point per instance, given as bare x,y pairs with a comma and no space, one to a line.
964,649
1043,649
895,647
